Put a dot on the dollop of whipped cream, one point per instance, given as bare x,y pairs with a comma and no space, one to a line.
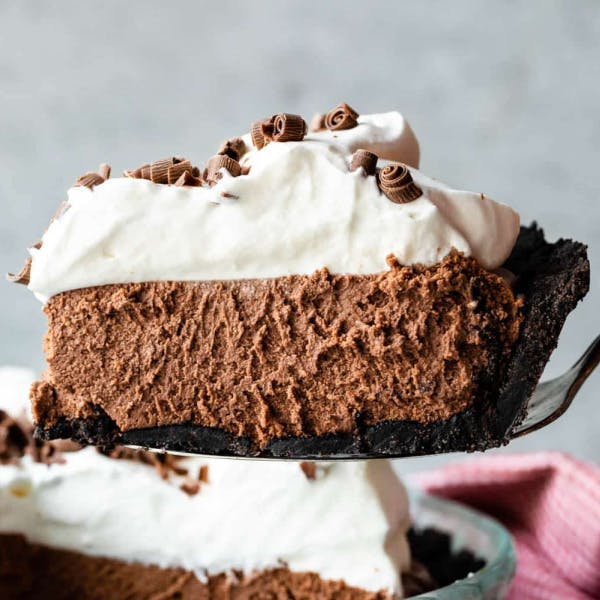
348,523
298,209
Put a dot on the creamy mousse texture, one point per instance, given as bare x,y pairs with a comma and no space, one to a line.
344,524
299,208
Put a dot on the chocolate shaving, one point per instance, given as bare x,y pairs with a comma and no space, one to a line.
309,469
104,171
172,171
365,159
234,148
212,173
175,171
288,128
16,440
261,132
396,182
23,275
203,474
191,488
91,179
165,464
342,116
188,178
13,440
317,123
159,169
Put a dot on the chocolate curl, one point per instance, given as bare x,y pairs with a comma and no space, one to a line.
317,123
288,128
262,132
216,163
137,173
187,178
342,116
91,179
159,169
365,159
396,182
234,148
104,171
23,276
175,171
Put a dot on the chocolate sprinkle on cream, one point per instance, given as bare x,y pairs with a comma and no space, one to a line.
104,171
342,116
203,475
16,440
288,128
91,179
191,178
191,488
174,170
396,182
365,159
212,173
23,275
309,469
164,464
260,132
282,127
159,169
234,148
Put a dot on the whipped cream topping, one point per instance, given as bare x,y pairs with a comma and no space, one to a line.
349,523
299,209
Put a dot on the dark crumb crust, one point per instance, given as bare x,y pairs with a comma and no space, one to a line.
29,571
552,278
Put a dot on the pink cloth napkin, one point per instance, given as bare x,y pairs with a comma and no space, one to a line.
551,504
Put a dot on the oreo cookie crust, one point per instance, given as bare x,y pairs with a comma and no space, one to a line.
480,403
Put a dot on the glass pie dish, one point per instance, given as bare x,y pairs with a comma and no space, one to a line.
473,531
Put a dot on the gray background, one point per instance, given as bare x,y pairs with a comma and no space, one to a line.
503,95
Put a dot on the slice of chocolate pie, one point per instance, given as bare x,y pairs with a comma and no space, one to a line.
306,294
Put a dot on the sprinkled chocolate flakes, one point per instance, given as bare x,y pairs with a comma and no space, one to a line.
283,127
309,469
259,132
16,440
288,128
365,159
23,275
203,474
170,171
91,179
212,173
191,178
396,182
191,488
342,116
234,148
